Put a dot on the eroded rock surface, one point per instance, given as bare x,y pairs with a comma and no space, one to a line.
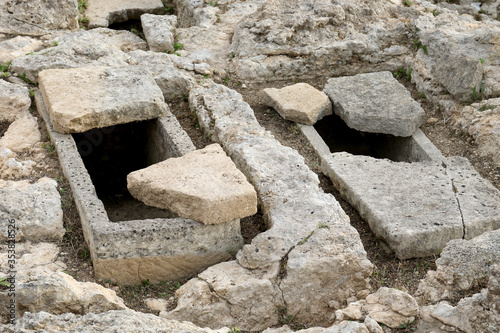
82,99
14,101
462,266
16,47
159,31
22,134
203,185
36,209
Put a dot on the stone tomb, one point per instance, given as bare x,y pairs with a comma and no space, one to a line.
413,198
154,249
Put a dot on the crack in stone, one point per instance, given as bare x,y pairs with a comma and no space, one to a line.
216,294
455,191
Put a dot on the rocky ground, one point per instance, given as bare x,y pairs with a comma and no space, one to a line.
295,272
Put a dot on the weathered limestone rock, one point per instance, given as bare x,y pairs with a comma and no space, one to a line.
416,207
463,265
478,199
227,293
479,313
369,326
36,210
481,120
159,31
14,101
203,185
301,103
375,103
388,306
22,134
102,13
59,293
40,257
172,81
125,321
284,39
330,253
157,304
96,47
14,169
458,58
16,47
297,211
37,17
81,99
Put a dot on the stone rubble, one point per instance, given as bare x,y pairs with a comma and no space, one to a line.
14,101
159,31
22,134
36,208
203,185
301,103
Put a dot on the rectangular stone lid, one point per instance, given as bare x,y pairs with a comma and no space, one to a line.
80,99
375,103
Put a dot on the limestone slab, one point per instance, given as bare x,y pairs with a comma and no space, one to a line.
300,102
159,31
375,103
80,99
203,185
411,206
14,101
479,200
34,208
102,13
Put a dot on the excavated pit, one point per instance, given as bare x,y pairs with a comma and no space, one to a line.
109,155
339,137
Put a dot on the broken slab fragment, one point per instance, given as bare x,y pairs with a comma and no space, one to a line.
375,103
411,206
22,134
203,185
80,99
34,208
159,31
102,13
301,103
14,101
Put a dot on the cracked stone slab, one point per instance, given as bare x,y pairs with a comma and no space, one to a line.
416,207
203,185
479,200
375,103
102,13
81,99
409,205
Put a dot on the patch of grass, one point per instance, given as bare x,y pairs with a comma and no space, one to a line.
481,60
213,3
26,79
178,46
402,73
435,12
407,3
4,282
82,5
4,70
477,93
49,147
418,44
487,107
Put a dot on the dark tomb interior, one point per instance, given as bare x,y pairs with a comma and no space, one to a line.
341,138
110,154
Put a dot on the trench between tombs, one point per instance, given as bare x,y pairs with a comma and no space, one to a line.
110,154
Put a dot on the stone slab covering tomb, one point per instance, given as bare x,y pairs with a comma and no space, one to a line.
203,185
300,102
154,249
417,208
375,103
80,99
